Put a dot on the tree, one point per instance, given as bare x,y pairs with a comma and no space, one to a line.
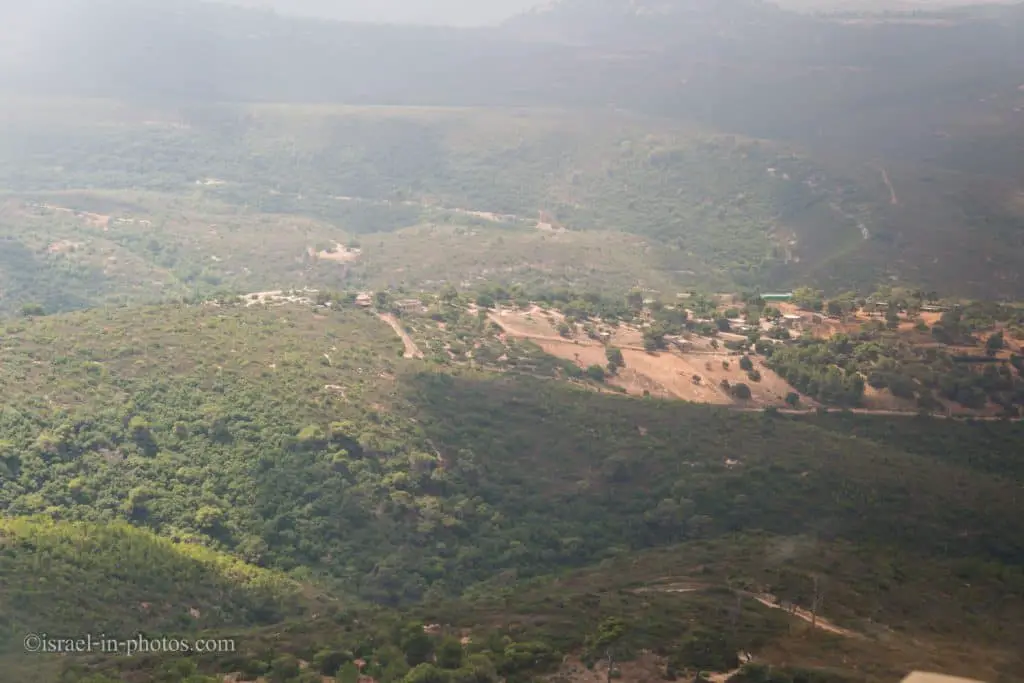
808,299
793,399
283,669
427,673
329,662
485,300
381,298
596,373
417,645
653,340
615,357
995,343
347,673
478,669
746,364
892,318
607,639
835,309
449,294
449,653
741,391
32,310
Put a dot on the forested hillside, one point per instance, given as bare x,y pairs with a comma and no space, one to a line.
706,207
675,206
350,347
297,439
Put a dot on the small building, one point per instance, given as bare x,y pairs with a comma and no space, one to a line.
364,299
792,320
680,343
409,305
786,296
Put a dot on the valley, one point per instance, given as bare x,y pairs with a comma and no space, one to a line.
620,340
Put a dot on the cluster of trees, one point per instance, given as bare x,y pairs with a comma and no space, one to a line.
835,372
384,647
822,369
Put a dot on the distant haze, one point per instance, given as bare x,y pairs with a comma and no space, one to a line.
491,12
437,12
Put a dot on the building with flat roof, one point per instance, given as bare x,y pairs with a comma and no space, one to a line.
785,296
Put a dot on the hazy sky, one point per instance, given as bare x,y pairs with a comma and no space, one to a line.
489,12
445,12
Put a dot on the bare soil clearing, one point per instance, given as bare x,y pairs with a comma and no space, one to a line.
95,219
676,374
883,399
341,254
670,374
278,297
664,374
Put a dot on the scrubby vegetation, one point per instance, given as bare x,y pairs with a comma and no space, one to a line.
296,439
185,456
834,372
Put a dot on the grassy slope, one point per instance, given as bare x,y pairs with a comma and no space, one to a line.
47,564
66,580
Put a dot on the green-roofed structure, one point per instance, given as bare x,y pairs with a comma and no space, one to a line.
788,296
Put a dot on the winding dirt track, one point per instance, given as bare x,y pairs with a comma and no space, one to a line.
411,350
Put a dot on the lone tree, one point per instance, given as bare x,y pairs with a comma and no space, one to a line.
741,391
614,357
607,641
995,343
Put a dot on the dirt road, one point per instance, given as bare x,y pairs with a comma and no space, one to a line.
799,612
411,350
889,413
765,599
893,199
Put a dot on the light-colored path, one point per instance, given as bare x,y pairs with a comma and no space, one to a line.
411,350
